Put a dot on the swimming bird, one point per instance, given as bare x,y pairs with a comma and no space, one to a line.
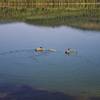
40,49
70,51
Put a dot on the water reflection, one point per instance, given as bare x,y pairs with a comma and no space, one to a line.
19,92
84,15
78,75
28,53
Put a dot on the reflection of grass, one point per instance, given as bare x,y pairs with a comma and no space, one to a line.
89,26
81,18
79,22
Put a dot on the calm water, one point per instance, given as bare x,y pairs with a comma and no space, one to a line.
20,64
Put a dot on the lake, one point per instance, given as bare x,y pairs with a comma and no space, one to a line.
54,71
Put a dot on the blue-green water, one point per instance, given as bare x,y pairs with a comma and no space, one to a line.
55,71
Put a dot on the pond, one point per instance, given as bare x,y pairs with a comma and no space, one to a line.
55,71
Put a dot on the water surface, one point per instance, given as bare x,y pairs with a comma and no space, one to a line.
55,71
